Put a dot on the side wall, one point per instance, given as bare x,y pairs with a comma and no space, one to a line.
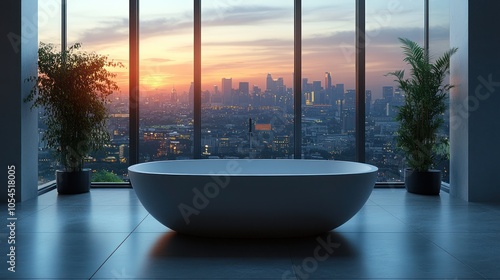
475,102
18,55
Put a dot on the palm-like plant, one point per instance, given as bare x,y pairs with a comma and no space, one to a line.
420,116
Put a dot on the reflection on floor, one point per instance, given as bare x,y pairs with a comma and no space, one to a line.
107,234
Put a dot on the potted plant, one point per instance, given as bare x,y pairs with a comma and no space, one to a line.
72,87
421,115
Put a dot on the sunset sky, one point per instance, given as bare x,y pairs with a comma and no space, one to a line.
245,40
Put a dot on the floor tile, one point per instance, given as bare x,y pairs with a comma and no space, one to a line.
399,196
150,224
61,255
20,211
373,218
376,255
84,218
96,196
480,251
447,218
171,256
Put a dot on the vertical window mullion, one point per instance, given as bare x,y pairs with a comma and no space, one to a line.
426,25
197,81
64,25
297,80
360,80
134,82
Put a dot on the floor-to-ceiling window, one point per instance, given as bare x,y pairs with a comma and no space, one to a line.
439,42
328,80
166,76
49,32
385,22
102,27
247,78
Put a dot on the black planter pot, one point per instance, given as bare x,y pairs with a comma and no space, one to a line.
73,182
423,182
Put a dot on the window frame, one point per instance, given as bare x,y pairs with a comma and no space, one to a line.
360,86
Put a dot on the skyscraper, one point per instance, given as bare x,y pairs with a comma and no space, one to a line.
388,93
227,91
316,86
244,94
350,99
173,96
244,88
398,98
216,97
279,85
269,82
339,92
205,97
256,91
328,81
308,87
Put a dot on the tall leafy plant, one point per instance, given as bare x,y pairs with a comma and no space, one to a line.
420,116
73,88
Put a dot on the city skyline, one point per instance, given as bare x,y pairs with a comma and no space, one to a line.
241,40
234,85
328,130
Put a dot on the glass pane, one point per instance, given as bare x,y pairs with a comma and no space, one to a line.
166,74
247,78
439,42
385,22
49,32
103,27
328,79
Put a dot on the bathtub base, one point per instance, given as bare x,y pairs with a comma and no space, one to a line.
253,206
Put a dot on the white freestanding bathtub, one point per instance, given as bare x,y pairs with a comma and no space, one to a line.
252,198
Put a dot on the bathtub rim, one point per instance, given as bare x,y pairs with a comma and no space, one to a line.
134,168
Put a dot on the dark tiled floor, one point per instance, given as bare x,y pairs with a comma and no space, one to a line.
107,234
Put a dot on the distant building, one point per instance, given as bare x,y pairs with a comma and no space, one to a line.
305,85
279,85
275,85
244,88
269,83
368,102
244,94
316,86
388,93
205,97
173,96
281,144
338,94
216,98
399,97
328,81
227,91
379,108
256,96
191,93
350,99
